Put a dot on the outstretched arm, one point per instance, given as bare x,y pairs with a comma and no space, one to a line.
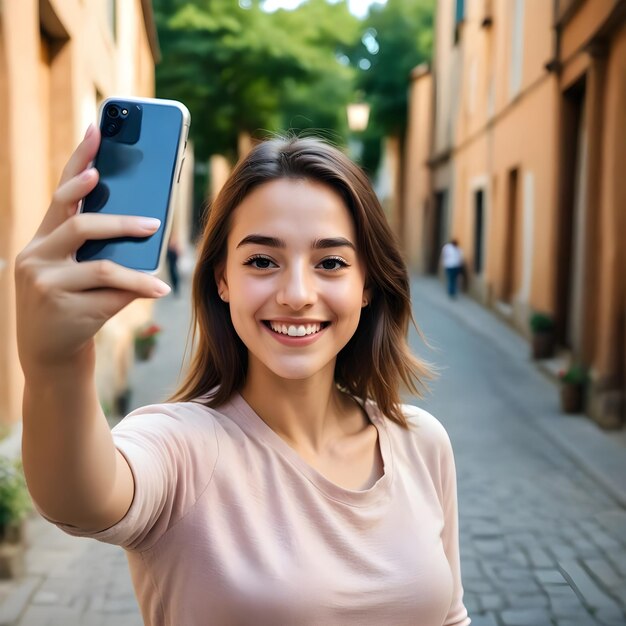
73,471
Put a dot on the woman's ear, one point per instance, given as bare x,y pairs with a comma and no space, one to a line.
367,297
221,283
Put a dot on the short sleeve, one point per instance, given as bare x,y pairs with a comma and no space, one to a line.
172,451
457,615
436,449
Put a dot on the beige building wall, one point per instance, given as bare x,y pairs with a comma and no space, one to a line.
416,202
529,127
58,60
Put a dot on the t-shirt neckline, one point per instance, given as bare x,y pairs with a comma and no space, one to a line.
254,426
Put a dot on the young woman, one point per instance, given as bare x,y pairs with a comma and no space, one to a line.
284,483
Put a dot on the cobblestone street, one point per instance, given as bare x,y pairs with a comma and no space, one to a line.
543,541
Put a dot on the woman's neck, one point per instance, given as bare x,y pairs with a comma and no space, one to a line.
309,414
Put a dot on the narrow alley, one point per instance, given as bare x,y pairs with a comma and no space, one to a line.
543,528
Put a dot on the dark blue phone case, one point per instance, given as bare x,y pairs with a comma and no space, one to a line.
137,163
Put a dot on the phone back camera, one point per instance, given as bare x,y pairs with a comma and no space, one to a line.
122,122
111,128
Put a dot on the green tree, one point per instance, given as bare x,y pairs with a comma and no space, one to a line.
239,68
396,37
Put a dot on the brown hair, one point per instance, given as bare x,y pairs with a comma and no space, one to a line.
376,360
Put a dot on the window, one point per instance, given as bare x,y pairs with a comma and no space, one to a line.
479,210
459,17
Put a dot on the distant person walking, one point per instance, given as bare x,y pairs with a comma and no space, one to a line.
172,264
452,261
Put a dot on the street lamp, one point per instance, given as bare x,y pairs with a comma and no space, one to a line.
358,116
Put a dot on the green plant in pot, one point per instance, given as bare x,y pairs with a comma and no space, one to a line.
573,384
543,330
15,504
145,341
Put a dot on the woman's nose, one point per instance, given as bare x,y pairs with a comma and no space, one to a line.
297,289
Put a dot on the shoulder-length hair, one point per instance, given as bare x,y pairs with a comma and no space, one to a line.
376,361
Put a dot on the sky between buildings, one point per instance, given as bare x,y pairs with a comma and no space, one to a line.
357,7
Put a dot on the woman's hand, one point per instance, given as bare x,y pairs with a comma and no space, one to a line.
61,304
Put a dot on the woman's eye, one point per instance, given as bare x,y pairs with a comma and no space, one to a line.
333,264
260,262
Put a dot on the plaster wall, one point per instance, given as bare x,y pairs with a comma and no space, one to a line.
416,205
50,85
566,254
611,295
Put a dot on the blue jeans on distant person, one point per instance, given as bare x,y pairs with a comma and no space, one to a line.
172,264
453,279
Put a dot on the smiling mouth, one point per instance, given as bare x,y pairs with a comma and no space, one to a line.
296,330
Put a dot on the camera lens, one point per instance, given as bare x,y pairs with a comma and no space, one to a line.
111,128
113,111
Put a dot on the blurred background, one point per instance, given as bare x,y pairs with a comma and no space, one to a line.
245,70
498,123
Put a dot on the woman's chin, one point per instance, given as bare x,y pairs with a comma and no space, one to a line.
294,371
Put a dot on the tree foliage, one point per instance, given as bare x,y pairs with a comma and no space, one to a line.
397,37
239,68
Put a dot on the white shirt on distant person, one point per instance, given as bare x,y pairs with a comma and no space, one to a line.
451,256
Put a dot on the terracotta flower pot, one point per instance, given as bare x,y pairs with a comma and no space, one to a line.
144,350
572,395
12,550
543,345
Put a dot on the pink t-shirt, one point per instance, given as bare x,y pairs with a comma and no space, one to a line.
229,525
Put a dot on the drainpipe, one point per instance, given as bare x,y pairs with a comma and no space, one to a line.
554,64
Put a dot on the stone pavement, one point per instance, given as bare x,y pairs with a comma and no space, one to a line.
543,523
542,518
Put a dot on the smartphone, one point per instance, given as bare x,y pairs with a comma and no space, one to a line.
140,159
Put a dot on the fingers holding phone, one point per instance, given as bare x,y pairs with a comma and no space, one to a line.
139,161
61,304
81,267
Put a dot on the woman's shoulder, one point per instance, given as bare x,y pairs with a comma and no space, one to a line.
178,418
424,445
423,430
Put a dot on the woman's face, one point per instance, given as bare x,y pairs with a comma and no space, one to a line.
293,278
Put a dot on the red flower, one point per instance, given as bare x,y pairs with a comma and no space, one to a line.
149,331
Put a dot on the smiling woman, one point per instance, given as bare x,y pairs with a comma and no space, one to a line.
305,273
281,209
285,483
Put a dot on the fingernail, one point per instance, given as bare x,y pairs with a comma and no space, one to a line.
89,131
162,288
87,174
149,223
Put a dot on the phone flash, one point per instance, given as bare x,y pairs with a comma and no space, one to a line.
124,111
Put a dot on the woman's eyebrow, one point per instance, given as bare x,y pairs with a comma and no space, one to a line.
333,242
262,240
274,242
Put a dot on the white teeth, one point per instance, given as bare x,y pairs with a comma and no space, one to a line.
295,331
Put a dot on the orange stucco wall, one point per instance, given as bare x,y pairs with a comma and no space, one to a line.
417,173
612,290
48,95
511,96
